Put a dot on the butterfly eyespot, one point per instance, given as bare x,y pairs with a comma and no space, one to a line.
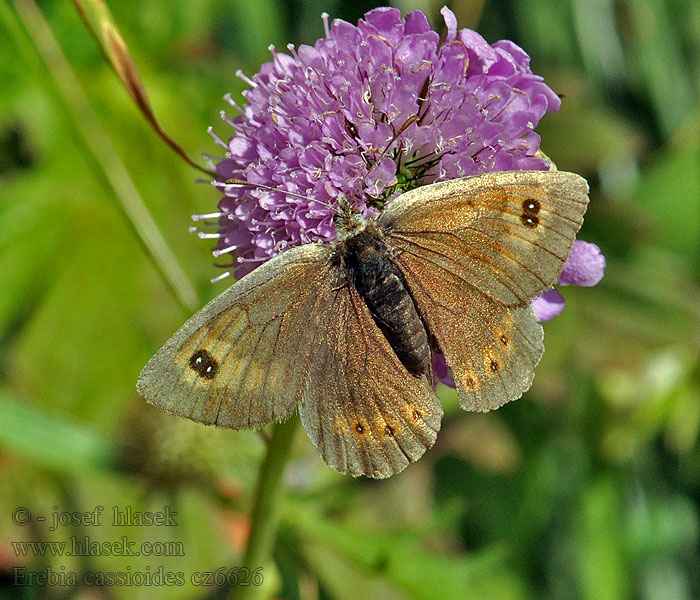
504,340
494,366
529,220
204,364
359,428
417,415
530,209
389,430
470,381
531,206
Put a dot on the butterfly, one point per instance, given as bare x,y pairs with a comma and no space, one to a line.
344,332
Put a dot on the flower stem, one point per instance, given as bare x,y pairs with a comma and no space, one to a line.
263,518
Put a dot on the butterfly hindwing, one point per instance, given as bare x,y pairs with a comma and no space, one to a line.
364,412
491,349
241,360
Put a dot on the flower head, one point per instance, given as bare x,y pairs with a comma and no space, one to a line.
368,112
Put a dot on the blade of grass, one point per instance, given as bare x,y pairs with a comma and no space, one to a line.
50,440
66,89
657,50
599,41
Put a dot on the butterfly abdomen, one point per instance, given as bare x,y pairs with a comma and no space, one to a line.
381,285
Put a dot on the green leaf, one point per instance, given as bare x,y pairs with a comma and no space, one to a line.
411,569
669,191
81,349
336,571
49,439
656,49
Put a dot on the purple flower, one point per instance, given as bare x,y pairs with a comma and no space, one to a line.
367,113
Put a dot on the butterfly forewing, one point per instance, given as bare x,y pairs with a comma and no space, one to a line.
507,233
295,331
363,411
242,360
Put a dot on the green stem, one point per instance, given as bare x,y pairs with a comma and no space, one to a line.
263,518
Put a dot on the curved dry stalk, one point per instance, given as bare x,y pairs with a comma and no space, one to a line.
99,21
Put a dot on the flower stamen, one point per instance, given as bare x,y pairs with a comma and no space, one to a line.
218,278
219,251
214,215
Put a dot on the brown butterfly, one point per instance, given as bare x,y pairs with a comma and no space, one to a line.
345,331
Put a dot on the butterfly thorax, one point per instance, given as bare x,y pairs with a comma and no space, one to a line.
381,285
348,222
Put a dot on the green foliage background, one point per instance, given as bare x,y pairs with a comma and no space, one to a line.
587,488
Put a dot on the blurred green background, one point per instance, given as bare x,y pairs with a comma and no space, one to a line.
587,488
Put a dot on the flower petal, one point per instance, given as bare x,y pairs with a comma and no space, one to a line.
585,265
450,23
441,371
548,305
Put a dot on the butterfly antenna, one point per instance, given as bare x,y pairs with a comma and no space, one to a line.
412,119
